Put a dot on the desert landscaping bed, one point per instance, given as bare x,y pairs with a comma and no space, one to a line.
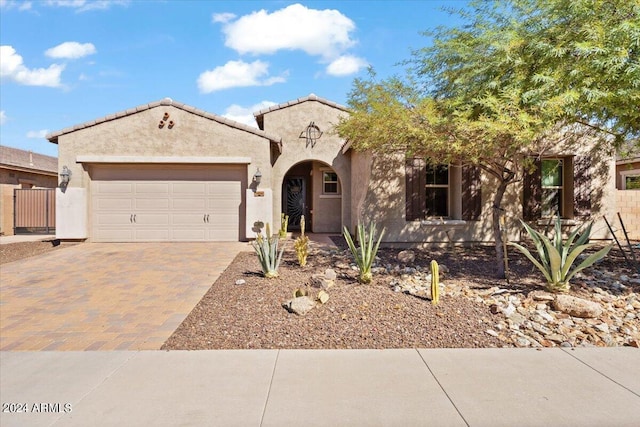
243,310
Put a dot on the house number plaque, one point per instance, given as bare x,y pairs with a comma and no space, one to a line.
258,194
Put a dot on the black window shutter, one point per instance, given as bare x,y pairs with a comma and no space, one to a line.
581,186
415,179
532,192
471,193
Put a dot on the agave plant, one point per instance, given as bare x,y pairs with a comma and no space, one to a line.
366,253
557,257
267,250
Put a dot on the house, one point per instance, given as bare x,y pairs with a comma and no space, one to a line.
166,171
628,198
20,169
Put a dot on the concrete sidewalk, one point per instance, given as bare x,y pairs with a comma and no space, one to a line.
406,387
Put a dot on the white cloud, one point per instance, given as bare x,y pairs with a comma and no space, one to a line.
346,65
324,33
223,17
37,133
245,114
86,5
71,50
3,117
237,74
11,4
12,67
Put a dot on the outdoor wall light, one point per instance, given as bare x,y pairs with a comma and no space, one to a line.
257,177
65,175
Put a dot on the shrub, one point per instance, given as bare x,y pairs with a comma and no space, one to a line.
557,257
301,245
365,254
267,250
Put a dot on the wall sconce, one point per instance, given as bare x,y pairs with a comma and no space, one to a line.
257,177
65,175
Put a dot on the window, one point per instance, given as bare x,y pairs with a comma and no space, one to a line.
557,186
437,191
330,183
441,191
632,182
552,187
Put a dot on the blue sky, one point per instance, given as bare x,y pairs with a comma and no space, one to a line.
64,62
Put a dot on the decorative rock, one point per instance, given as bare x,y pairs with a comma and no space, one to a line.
330,274
577,307
406,257
240,282
300,305
541,296
321,281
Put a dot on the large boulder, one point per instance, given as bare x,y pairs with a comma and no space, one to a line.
576,307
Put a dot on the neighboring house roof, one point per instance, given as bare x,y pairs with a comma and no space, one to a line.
15,158
53,137
312,97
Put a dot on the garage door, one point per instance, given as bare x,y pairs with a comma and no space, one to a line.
165,203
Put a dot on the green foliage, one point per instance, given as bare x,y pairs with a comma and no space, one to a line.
266,248
557,257
301,245
365,254
435,280
284,224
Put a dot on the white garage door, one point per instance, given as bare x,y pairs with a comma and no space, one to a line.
166,203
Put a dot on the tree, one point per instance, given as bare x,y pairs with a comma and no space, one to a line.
494,90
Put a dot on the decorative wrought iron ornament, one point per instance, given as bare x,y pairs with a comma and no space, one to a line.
311,134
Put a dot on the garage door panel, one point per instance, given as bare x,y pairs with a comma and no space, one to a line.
151,235
152,188
106,234
189,188
113,204
189,234
114,218
143,204
189,204
106,188
148,218
194,219
166,203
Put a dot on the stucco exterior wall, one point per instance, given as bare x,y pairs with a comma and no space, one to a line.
10,180
289,123
139,136
629,208
378,194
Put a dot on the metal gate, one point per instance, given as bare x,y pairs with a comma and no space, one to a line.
34,211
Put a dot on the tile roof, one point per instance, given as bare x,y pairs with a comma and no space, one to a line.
53,137
15,157
310,97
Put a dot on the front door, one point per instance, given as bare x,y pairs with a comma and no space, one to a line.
295,190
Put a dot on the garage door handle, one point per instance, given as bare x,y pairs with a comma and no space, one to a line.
131,218
207,218
204,218
134,217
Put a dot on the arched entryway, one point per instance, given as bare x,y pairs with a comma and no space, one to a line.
313,189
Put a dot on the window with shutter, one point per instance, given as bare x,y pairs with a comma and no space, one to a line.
471,193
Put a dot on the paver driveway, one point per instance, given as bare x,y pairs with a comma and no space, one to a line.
106,296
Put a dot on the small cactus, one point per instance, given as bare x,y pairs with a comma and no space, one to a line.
435,279
301,245
284,225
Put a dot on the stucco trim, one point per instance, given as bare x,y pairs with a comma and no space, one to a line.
163,159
